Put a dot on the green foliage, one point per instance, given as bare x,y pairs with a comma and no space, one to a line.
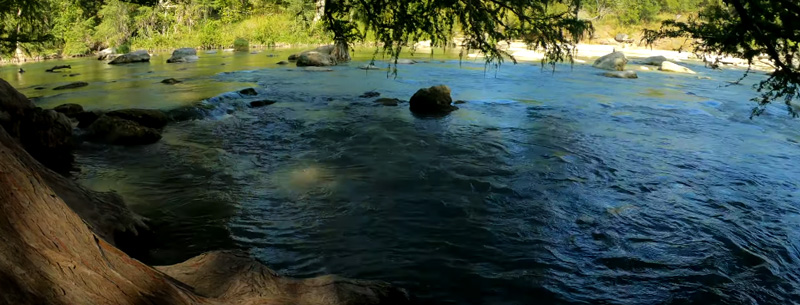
116,26
22,24
72,29
637,11
241,45
749,29
484,24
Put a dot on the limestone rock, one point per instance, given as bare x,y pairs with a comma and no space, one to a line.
316,59
132,57
613,62
668,66
183,55
654,60
435,100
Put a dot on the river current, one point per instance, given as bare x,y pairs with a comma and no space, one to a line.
545,187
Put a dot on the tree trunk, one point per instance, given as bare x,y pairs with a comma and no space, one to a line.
341,51
319,10
48,255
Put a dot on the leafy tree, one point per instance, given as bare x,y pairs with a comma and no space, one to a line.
116,26
484,23
749,29
23,22
72,29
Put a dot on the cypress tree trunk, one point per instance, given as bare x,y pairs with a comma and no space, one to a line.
341,51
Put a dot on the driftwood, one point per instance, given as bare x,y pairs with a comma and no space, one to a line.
49,255
53,69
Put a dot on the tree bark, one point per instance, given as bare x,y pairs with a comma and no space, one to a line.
319,10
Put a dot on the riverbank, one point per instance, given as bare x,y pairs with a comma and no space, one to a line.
584,52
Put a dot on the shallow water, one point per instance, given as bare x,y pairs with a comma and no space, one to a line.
546,187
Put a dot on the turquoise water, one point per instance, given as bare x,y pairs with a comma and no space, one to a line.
546,187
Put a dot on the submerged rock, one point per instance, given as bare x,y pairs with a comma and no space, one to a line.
459,102
435,100
170,81
317,69
406,62
183,55
654,60
145,117
621,74
261,103
118,131
369,67
668,66
132,57
613,61
188,113
248,91
370,94
72,86
283,62
388,101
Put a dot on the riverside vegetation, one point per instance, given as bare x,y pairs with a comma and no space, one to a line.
79,29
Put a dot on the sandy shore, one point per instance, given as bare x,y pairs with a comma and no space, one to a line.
588,52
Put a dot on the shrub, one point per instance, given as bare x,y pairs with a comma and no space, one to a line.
241,45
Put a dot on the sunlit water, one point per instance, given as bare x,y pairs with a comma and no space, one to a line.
546,187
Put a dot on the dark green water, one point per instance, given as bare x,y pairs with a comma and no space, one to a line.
544,188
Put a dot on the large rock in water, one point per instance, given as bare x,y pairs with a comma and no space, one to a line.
45,134
183,55
613,62
668,66
145,117
435,100
106,54
118,131
136,56
654,60
316,59
70,110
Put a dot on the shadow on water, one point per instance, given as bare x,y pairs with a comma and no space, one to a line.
553,188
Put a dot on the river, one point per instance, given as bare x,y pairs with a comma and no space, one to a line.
545,187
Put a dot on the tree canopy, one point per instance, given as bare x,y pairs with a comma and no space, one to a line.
749,29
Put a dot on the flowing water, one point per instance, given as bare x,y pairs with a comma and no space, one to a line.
546,187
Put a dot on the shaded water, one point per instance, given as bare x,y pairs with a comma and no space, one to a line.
544,188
